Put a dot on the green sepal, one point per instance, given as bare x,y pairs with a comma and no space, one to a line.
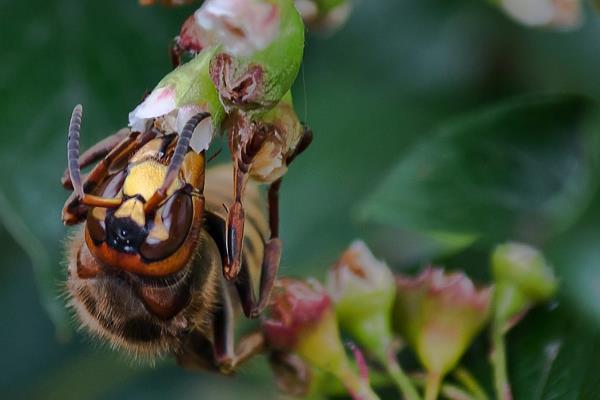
280,61
193,85
526,268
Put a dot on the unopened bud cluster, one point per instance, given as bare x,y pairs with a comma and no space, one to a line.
437,313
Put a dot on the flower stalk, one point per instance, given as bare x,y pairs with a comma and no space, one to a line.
498,360
439,314
363,291
302,321
400,378
463,376
447,390
523,279
433,383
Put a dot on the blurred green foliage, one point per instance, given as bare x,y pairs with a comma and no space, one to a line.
407,85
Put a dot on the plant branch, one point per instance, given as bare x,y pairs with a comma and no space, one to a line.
498,360
433,382
465,377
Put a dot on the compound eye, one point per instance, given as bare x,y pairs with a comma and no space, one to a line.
113,185
95,223
172,224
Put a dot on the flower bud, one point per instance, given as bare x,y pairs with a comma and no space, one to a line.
191,38
260,46
179,95
439,314
283,134
522,277
301,320
324,15
242,27
562,14
363,291
293,375
262,43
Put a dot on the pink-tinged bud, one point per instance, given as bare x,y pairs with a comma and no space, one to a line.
191,38
363,291
523,278
242,27
159,102
181,94
439,314
297,308
253,72
358,273
301,320
324,15
562,14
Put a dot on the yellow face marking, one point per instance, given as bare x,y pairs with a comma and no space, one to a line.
159,232
134,209
145,178
99,213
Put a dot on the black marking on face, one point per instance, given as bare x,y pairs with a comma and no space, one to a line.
124,235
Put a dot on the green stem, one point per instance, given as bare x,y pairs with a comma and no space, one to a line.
400,379
498,360
433,382
447,390
467,379
358,388
373,332
335,387
452,392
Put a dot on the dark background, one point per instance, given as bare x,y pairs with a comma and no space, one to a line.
372,92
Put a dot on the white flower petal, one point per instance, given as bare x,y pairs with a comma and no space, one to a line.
160,102
168,122
203,134
358,271
137,124
202,137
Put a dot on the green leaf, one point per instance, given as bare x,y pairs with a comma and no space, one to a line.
576,258
40,260
61,67
520,170
553,355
